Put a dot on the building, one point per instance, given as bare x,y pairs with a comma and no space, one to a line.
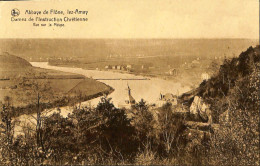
118,67
129,66
167,98
204,76
129,102
173,72
145,67
123,68
195,62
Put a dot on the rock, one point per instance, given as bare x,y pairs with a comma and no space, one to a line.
199,107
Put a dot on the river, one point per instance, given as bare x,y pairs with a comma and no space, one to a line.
147,89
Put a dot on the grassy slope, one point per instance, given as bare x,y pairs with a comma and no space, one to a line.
62,84
89,86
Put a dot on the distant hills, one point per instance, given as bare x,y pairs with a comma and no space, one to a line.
99,49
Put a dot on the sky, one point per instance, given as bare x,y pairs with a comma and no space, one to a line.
139,19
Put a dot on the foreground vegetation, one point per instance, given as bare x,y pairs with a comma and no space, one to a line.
103,135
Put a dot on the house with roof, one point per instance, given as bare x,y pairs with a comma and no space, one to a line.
167,98
108,67
129,66
118,67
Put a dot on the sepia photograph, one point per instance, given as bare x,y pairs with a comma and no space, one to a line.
133,82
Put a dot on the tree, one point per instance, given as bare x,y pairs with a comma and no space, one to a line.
145,125
237,140
58,139
35,87
115,133
7,132
213,67
171,128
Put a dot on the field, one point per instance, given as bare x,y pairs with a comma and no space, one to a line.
22,82
89,87
59,88
53,74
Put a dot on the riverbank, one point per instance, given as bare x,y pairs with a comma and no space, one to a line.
148,89
63,102
185,79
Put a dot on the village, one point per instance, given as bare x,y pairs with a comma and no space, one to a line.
201,66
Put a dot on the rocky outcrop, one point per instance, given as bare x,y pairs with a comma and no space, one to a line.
200,108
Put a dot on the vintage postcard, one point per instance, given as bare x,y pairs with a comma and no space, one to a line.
129,82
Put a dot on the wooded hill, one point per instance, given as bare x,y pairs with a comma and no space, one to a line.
232,73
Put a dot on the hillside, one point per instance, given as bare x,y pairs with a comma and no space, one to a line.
11,66
232,72
11,62
230,101
21,81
